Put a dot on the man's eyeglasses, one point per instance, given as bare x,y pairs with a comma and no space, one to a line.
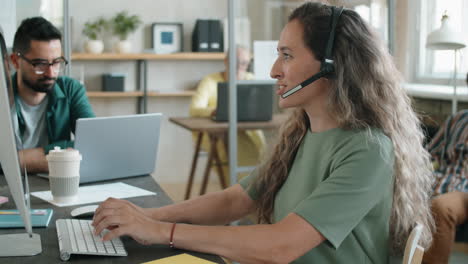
40,66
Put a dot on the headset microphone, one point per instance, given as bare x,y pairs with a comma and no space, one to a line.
327,65
303,84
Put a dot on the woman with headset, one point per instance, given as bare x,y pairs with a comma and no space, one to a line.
347,179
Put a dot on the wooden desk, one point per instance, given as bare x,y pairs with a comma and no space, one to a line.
216,131
137,253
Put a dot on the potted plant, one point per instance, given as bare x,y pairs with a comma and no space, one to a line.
93,30
122,25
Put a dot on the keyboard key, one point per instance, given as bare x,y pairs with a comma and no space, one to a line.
109,247
82,240
89,238
71,234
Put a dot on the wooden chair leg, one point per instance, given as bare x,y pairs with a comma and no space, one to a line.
208,164
194,165
219,168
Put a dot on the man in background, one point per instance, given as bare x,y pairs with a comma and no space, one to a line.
47,105
449,150
250,143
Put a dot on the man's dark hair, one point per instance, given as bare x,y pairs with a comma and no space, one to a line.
34,28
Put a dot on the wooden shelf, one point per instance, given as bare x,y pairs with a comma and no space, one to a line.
97,94
149,56
114,94
173,94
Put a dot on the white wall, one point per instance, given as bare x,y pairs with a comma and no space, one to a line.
26,8
8,21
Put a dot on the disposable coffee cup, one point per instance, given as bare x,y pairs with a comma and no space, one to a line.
64,174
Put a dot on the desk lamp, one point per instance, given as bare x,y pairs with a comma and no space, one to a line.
445,38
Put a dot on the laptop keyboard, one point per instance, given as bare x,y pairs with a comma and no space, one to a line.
76,237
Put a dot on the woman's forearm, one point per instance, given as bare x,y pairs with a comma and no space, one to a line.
282,242
211,209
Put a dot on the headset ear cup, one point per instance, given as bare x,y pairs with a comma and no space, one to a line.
328,69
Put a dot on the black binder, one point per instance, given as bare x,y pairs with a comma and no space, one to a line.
216,36
201,36
207,36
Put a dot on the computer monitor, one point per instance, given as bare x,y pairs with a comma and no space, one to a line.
17,244
254,101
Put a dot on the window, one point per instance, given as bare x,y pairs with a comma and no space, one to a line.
52,10
374,12
436,66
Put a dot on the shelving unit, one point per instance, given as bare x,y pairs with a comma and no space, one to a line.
173,94
113,94
149,56
142,59
92,94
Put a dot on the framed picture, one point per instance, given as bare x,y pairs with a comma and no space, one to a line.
167,37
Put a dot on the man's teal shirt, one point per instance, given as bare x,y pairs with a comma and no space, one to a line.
67,103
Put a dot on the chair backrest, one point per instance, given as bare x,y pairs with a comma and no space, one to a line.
413,252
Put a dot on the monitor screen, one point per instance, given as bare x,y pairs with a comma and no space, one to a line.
9,159
27,244
254,101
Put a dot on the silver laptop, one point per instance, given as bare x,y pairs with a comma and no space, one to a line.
117,147
254,102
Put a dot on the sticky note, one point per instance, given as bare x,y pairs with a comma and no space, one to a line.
180,259
3,199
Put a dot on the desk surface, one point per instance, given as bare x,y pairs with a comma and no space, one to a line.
136,253
207,125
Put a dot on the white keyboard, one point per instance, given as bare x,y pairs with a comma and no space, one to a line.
76,237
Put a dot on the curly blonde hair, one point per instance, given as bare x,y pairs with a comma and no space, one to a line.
366,92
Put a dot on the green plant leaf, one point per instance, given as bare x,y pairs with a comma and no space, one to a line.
124,24
94,29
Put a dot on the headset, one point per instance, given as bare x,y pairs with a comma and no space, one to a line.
327,65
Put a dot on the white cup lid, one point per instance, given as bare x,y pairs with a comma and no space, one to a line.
58,154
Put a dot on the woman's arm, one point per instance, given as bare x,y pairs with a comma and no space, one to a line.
216,208
282,242
210,209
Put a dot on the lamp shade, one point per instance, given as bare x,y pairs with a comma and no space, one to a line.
445,38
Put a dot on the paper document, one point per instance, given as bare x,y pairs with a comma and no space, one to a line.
180,259
97,193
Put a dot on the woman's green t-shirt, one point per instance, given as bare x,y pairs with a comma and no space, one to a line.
341,182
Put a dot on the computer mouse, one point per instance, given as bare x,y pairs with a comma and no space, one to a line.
83,211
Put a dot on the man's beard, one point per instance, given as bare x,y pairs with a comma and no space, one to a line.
40,86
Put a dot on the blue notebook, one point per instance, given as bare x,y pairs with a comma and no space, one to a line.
11,218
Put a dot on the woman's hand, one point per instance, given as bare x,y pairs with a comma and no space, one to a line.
122,217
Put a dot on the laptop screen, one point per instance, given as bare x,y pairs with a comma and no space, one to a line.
117,146
254,102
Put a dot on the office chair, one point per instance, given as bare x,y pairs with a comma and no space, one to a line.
413,252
